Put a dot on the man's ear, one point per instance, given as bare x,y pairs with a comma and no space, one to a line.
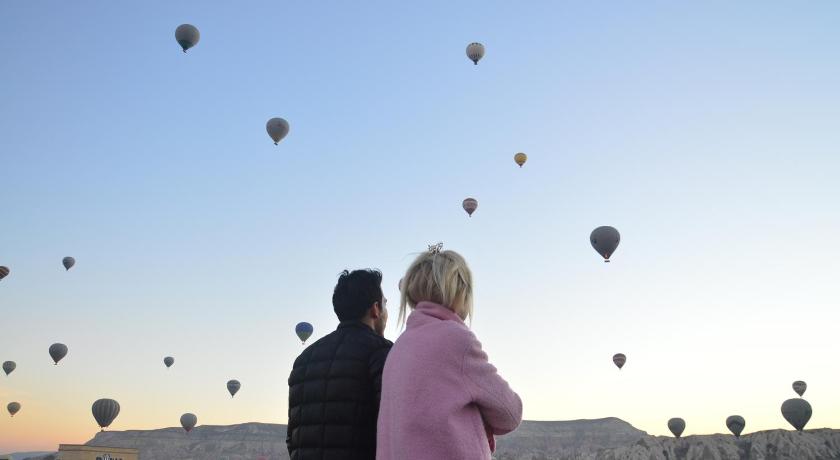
375,311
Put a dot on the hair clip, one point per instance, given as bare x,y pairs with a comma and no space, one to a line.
435,248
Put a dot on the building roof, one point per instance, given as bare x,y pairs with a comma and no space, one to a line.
86,448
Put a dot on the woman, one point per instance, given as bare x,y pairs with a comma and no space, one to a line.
441,398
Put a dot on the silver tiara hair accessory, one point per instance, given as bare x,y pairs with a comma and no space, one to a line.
435,248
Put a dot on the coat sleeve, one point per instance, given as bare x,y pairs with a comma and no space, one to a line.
291,424
500,406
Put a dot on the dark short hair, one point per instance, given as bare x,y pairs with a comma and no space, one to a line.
355,292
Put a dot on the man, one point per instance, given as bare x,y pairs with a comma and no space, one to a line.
335,383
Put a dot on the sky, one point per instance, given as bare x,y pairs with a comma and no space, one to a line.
706,133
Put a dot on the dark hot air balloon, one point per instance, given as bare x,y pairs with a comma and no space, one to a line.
188,421
9,367
57,352
797,412
168,361
187,36
605,240
4,272
736,424
799,387
677,426
304,330
233,386
470,205
68,262
105,411
13,408
619,359
277,129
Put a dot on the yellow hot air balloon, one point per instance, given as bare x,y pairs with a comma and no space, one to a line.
520,158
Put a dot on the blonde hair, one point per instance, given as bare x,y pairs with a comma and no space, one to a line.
443,278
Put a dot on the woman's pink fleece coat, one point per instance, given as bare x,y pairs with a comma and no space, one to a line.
441,397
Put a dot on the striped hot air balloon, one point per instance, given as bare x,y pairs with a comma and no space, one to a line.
619,359
475,51
105,411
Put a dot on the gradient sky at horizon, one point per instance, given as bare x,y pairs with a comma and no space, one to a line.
706,133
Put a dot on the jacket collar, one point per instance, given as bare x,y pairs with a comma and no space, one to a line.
437,311
355,324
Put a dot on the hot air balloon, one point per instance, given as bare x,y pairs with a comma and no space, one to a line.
57,352
187,36
188,421
470,205
105,411
677,426
619,359
277,129
799,387
233,386
68,262
797,412
168,361
4,272
605,240
520,158
736,424
9,366
475,51
304,330
13,408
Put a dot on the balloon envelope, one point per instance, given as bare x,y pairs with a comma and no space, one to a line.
677,426
188,421
57,352
520,158
233,386
799,387
736,424
169,361
13,408
605,240
797,412
304,330
68,262
4,272
470,205
619,359
187,36
475,51
9,366
277,129
105,411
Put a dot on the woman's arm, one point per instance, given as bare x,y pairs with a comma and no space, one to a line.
500,406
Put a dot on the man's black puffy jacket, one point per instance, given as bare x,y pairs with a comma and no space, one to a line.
334,391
